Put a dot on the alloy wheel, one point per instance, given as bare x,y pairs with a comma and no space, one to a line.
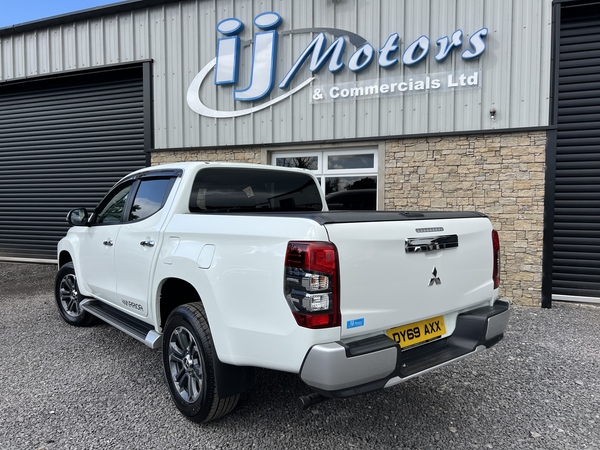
185,365
69,296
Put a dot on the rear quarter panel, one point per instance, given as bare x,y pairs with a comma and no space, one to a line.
242,290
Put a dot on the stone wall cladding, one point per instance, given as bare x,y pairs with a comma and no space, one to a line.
500,175
247,155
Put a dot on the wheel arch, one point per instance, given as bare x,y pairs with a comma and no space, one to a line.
230,379
174,292
64,257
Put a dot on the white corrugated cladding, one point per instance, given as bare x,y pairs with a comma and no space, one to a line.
181,39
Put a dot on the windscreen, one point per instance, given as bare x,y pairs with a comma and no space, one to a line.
226,189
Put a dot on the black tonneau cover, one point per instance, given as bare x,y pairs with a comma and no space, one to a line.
330,217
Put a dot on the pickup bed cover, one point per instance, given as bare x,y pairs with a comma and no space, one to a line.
331,217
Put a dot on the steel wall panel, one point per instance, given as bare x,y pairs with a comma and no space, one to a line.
344,16
181,38
416,24
443,22
366,117
57,50
526,44
96,42
31,55
111,40
174,74
467,104
19,57
302,127
391,115
219,132
191,50
283,121
497,78
158,52
126,38
82,36
262,129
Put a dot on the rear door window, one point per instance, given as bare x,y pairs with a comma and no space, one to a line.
150,197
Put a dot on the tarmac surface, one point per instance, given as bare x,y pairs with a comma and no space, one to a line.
63,387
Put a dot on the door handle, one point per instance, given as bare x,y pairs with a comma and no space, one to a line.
108,242
147,243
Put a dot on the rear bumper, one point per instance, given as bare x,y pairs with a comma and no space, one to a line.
343,370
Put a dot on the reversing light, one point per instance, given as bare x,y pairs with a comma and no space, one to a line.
311,283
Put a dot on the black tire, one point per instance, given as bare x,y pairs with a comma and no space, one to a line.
188,353
68,298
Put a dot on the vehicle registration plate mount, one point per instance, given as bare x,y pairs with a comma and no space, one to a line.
418,332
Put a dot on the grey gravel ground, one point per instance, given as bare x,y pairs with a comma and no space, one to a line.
69,388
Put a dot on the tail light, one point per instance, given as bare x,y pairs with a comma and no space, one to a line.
496,245
311,283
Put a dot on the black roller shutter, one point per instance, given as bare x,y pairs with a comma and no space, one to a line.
576,250
63,143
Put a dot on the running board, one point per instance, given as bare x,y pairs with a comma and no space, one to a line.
135,328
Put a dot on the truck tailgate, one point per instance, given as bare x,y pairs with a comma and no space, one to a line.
395,273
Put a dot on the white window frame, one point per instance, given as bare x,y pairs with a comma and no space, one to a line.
322,172
351,172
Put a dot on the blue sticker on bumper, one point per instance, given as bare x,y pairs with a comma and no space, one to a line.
355,323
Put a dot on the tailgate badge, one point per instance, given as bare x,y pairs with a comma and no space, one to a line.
434,279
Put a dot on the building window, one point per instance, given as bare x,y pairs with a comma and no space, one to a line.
348,177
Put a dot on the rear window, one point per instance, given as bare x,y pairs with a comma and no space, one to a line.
223,189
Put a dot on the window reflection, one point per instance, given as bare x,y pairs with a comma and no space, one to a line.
351,193
112,210
302,162
339,162
149,198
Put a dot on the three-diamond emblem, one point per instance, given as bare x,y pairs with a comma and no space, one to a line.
434,279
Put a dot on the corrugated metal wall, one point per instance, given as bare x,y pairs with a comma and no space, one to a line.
576,255
63,143
181,39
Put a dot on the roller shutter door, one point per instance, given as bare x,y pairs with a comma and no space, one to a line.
63,143
576,254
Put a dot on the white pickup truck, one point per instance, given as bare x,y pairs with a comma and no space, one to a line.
228,267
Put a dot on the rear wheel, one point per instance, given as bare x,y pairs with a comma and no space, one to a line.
68,298
188,353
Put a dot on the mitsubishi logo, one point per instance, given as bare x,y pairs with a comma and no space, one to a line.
434,279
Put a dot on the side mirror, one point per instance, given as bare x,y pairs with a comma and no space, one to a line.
77,217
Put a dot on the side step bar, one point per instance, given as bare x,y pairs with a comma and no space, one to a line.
135,328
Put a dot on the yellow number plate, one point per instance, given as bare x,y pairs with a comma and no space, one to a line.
418,332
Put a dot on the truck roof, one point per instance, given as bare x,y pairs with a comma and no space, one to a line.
194,166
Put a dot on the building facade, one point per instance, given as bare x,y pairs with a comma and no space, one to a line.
418,104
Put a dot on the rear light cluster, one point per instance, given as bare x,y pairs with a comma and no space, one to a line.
311,283
496,273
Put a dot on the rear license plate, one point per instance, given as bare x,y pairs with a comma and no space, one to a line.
418,332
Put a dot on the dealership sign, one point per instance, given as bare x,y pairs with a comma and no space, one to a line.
319,54
439,82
